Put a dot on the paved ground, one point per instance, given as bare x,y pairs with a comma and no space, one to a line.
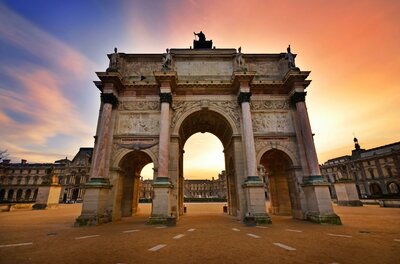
205,235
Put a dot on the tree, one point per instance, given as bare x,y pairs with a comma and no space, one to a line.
3,155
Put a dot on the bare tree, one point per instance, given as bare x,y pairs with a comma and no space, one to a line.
3,155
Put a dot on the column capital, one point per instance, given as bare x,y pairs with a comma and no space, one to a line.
109,98
244,97
298,97
166,98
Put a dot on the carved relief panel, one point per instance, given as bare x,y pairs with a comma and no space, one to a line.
138,124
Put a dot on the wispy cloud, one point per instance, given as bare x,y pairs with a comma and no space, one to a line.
46,111
27,36
35,108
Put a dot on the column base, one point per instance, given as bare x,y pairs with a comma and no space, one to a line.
318,198
257,214
94,204
261,219
332,219
48,197
162,220
160,213
347,194
355,203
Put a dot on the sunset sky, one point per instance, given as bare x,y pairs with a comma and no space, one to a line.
50,51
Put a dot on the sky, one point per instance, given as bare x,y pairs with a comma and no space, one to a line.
51,49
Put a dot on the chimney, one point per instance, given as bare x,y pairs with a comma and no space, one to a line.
23,161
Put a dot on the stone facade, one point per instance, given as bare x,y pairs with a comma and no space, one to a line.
152,103
202,188
376,172
20,182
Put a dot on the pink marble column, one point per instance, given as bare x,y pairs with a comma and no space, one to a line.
163,151
109,102
248,137
312,159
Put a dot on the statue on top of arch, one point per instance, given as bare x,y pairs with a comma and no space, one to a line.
114,62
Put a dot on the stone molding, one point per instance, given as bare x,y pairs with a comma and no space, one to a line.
109,98
166,98
257,105
244,97
140,105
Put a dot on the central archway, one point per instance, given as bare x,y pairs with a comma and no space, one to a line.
202,121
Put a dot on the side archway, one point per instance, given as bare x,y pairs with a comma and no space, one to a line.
281,182
128,187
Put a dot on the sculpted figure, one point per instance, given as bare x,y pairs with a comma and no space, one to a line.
240,60
114,61
137,146
167,60
290,57
202,37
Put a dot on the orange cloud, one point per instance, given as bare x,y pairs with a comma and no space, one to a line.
43,104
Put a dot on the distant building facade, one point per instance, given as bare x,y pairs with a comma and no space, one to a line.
19,182
374,171
215,188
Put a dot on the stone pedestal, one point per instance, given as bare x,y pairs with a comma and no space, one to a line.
160,212
254,189
48,196
347,194
319,206
94,208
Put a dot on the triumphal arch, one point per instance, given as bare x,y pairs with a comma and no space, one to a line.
254,103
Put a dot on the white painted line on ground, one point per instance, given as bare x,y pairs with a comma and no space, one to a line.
83,237
337,235
283,246
160,227
130,231
397,240
252,235
262,227
235,229
191,229
157,247
293,230
178,236
16,245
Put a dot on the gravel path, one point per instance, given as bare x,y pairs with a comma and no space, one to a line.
204,235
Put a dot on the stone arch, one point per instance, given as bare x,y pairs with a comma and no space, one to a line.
121,153
375,188
10,195
193,110
28,195
282,183
220,125
292,156
393,187
19,195
130,166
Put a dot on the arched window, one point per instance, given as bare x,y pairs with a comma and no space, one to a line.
393,188
375,189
